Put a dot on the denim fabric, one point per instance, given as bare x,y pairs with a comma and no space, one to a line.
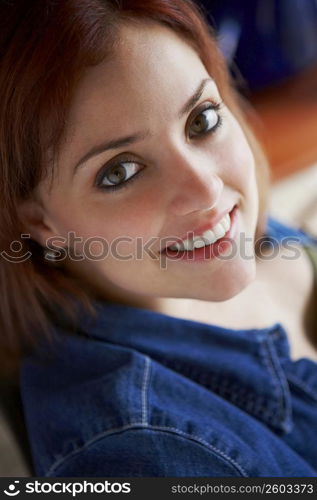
140,393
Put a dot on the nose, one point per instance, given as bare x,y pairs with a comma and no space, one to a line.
197,186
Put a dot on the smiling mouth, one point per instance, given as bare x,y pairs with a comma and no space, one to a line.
207,238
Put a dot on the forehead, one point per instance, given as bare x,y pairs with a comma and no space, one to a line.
150,64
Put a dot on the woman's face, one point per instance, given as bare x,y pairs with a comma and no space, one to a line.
151,121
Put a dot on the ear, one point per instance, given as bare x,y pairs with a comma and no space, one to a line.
34,221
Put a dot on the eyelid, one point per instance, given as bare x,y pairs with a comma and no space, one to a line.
206,105
117,160
210,103
121,158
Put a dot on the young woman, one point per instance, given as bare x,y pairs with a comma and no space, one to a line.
157,306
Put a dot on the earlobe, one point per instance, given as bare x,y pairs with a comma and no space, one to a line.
32,217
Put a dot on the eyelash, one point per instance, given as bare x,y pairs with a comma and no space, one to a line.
125,184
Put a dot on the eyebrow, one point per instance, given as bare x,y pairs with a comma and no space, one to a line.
132,139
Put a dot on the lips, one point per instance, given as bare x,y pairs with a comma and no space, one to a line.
191,233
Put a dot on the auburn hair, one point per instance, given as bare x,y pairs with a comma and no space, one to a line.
45,46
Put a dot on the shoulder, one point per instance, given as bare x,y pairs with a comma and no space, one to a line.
290,258
146,452
284,263
280,232
288,254
116,412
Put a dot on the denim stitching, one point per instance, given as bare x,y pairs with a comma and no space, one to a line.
285,407
272,364
267,361
145,386
151,427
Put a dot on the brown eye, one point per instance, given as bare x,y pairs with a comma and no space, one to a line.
118,173
207,120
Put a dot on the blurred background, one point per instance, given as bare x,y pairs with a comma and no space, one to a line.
271,49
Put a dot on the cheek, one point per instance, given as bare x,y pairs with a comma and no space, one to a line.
111,219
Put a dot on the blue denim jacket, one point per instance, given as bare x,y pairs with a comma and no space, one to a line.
139,393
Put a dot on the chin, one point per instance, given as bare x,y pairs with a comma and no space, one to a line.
229,284
237,282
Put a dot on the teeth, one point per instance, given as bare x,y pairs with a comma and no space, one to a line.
188,245
226,222
219,230
207,238
198,243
